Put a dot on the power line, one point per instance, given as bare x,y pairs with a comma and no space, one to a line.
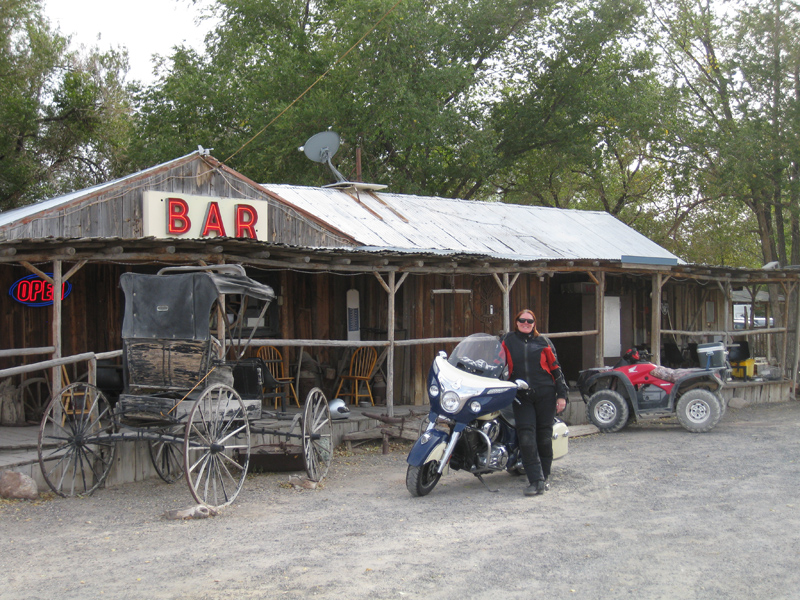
308,89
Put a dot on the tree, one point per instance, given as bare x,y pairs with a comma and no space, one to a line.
737,81
410,93
62,115
579,123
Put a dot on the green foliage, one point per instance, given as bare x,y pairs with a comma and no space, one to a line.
63,117
409,95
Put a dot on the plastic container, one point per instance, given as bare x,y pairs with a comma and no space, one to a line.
712,356
744,369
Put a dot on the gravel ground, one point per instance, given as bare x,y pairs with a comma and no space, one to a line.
650,512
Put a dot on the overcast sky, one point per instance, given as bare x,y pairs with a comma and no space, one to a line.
144,27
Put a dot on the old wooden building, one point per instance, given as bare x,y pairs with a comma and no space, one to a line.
418,273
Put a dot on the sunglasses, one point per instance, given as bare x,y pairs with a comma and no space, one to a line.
529,321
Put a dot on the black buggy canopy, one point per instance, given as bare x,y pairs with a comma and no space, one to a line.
176,303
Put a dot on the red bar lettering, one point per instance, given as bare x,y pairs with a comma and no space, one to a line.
246,219
213,221
177,216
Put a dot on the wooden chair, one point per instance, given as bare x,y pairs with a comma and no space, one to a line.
76,402
274,360
361,365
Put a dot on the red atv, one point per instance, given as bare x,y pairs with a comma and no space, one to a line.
636,386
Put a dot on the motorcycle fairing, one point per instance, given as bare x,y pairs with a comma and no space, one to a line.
493,394
433,449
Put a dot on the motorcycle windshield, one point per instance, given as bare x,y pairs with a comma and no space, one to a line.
481,354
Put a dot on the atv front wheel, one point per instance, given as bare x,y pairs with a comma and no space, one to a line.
608,411
699,411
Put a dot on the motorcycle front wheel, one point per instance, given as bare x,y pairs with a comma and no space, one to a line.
420,481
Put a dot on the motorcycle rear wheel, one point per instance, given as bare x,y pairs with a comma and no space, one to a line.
420,481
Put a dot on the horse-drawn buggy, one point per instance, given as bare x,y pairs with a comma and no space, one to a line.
189,392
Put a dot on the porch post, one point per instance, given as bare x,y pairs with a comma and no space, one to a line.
55,326
391,289
390,357
796,343
505,287
599,317
655,324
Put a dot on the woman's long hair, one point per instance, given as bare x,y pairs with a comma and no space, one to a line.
535,331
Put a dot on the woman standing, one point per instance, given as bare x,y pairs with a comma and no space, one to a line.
532,358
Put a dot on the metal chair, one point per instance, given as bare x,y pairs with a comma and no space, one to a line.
274,360
361,365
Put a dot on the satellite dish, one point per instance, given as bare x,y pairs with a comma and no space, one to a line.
320,148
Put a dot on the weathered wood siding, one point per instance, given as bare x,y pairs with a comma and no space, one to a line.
91,314
115,211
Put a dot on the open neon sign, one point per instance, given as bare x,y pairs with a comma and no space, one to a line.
32,290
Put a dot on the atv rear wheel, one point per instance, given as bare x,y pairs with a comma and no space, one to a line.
699,411
608,411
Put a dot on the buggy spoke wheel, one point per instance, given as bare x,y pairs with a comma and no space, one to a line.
34,393
167,455
217,431
76,444
317,437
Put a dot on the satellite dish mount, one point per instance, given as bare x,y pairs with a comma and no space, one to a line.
320,148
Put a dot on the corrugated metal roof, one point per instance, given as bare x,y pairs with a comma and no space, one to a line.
408,223
508,231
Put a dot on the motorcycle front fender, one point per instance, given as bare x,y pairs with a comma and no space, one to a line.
432,449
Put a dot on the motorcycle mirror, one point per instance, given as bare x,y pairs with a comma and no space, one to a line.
442,354
521,384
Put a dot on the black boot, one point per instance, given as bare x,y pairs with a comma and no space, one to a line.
535,489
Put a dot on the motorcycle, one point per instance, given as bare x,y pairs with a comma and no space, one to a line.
471,421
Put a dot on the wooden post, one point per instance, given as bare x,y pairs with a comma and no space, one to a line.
796,342
600,315
391,289
390,356
505,287
655,323
55,327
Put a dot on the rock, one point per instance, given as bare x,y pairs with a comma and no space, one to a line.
737,403
17,486
196,512
302,483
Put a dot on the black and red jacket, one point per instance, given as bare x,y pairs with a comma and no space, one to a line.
532,359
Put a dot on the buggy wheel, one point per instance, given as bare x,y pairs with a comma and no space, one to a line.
420,481
217,431
317,437
699,410
608,411
76,444
34,394
167,456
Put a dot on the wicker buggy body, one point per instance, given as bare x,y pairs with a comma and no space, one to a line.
170,352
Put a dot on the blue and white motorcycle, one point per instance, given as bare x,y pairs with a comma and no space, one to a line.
471,422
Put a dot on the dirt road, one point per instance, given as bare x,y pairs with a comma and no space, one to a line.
650,512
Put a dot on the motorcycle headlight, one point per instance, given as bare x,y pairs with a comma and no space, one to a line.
433,390
451,402
475,406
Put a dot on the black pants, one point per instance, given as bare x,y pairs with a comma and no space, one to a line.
534,412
